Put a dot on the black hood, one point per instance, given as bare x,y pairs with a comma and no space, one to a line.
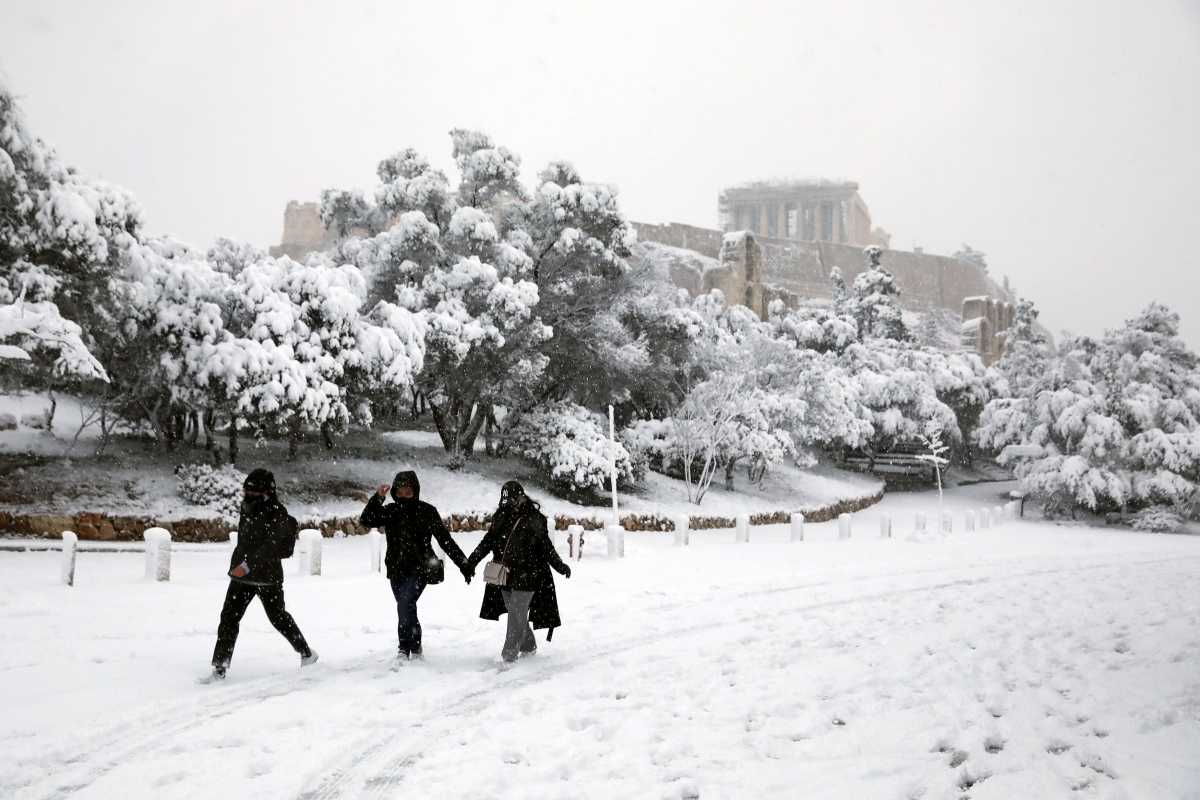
406,478
260,480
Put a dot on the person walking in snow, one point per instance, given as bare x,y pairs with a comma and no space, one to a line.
266,534
408,525
518,539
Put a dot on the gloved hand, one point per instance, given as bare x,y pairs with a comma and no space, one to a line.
566,573
468,572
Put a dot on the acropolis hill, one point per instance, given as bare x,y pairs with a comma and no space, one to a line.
780,240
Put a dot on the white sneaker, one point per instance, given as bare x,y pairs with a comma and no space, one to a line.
311,658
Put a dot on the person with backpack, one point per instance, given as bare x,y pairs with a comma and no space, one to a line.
518,578
266,534
409,524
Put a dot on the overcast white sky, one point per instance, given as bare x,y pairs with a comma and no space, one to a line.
1061,138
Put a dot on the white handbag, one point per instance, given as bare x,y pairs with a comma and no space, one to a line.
496,572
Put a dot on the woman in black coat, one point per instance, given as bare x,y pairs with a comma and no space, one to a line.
518,538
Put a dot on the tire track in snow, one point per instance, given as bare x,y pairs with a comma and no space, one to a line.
344,778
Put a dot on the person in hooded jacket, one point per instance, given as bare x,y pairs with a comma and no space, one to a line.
518,538
266,534
408,525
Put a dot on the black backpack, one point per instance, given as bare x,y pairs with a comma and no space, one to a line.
286,538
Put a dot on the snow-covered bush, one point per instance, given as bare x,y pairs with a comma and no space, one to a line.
219,489
571,447
1158,519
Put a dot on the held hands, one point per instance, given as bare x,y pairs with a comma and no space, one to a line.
467,571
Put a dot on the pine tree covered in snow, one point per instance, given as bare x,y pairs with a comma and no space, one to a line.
1118,420
873,300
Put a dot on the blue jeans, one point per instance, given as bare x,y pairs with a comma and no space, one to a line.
407,591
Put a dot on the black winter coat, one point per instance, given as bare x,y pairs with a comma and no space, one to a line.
264,531
408,524
529,561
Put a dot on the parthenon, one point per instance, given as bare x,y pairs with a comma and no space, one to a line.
810,211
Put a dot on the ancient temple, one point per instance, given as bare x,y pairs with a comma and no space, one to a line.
809,211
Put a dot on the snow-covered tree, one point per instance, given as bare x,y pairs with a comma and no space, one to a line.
570,444
231,257
873,300
495,270
929,333
971,256
814,328
469,278
1026,351
306,347
60,242
1118,420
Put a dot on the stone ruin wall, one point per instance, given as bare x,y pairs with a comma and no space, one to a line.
795,270
303,232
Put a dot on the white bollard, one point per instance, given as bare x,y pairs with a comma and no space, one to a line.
683,530
797,526
162,558
575,541
885,527
616,541
843,526
1010,510
997,516
969,521
154,538
375,543
947,522
309,542
70,540
743,528
558,538
985,519
919,523
233,540
148,537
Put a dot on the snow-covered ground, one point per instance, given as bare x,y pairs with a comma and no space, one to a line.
1025,661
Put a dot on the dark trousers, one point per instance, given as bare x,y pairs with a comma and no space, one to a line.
237,600
407,591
